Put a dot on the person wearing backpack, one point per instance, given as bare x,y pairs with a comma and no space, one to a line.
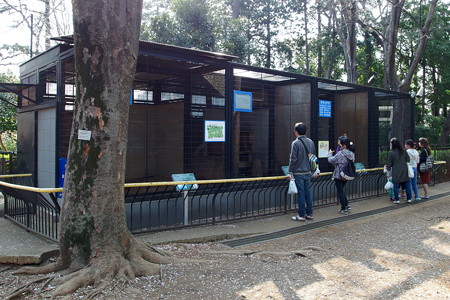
425,177
339,161
300,171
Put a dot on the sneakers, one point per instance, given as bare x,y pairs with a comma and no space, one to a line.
425,197
396,202
409,200
343,211
417,198
349,207
311,217
298,218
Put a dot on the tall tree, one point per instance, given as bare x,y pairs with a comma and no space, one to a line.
8,111
42,19
265,17
347,34
94,237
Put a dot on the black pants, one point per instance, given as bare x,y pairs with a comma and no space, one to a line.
340,184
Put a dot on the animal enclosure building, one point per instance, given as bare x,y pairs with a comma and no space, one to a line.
198,112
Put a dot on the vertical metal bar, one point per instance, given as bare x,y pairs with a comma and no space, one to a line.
186,207
229,134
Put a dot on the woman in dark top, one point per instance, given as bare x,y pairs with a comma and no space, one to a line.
397,160
425,177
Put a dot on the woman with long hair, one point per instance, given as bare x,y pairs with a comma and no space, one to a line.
397,164
339,161
425,177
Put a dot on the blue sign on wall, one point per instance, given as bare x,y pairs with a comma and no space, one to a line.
243,101
325,108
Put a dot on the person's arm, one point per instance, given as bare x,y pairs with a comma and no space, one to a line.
389,163
293,157
423,156
333,159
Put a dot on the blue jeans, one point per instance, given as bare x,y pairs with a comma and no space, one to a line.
414,184
303,183
406,185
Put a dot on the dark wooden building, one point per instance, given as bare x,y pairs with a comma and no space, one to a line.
198,112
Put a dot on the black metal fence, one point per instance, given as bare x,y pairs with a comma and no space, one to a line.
35,209
156,206
159,206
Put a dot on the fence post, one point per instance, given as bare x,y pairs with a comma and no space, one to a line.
186,207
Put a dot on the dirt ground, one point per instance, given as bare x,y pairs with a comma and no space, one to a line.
403,254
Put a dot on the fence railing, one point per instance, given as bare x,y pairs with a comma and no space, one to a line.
34,208
153,206
163,205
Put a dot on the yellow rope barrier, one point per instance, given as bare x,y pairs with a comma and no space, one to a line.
162,183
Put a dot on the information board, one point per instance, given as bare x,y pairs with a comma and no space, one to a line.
324,147
324,108
185,177
214,131
243,101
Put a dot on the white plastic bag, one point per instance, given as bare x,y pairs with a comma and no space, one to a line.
316,173
389,185
292,187
410,171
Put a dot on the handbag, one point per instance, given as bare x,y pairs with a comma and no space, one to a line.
410,171
311,158
348,172
427,166
292,187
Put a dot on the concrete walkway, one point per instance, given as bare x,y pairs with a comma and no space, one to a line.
17,246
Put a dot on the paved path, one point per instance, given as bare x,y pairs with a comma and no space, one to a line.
21,247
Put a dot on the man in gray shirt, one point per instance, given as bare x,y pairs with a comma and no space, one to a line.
300,171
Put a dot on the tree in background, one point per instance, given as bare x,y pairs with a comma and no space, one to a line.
188,23
40,19
8,115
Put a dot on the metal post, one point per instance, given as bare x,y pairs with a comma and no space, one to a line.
186,207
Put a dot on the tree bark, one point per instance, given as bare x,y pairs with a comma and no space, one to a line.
423,38
390,45
305,12
106,46
94,237
443,139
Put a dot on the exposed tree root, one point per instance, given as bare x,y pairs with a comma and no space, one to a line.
20,293
25,289
106,266
6,269
50,268
304,252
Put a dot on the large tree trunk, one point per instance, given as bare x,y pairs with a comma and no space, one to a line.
105,64
94,236
390,46
348,41
423,38
305,12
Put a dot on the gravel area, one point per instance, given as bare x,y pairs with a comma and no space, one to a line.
403,254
